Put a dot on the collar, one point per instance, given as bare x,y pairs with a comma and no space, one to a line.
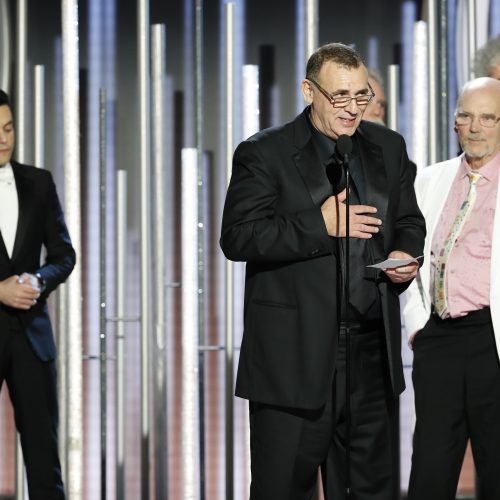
489,171
6,174
323,144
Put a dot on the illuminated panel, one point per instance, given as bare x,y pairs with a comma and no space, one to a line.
420,95
190,314
71,131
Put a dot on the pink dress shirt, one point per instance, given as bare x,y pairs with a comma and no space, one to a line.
467,271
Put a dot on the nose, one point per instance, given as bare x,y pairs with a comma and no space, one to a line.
474,124
352,107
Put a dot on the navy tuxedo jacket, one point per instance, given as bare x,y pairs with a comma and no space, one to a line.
272,220
40,224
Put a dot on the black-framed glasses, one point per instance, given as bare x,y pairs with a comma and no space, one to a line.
486,119
342,101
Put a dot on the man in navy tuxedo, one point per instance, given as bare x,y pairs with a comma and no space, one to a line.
31,219
284,216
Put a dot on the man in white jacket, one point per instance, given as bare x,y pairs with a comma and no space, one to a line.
452,310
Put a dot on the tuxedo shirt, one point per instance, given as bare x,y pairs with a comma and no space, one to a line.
8,207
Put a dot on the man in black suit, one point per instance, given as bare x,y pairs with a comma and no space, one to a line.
30,218
284,215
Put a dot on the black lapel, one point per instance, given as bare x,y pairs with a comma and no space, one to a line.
3,249
375,187
25,190
308,163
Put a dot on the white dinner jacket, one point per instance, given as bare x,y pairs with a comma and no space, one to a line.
432,186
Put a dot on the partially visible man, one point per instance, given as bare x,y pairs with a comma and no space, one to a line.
285,216
30,218
375,111
487,59
452,310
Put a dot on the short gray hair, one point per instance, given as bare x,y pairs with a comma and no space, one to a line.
373,74
487,57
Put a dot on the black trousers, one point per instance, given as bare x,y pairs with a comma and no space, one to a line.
32,388
288,445
456,376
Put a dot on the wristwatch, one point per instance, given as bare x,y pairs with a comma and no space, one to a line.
41,282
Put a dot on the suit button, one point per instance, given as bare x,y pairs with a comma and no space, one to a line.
315,251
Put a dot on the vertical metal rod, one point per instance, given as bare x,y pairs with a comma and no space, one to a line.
62,376
145,167
433,81
199,84
190,327
251,125
472,37
393,101
229,352
21,79
311,25
39,116
420,111
72,199
159,274
21,147
121,265
5,48
103,357
443,111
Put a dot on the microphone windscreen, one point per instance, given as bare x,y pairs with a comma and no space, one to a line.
344,145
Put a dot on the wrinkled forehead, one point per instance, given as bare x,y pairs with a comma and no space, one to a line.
478,101
339,77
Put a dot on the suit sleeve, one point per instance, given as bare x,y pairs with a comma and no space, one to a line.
415,313
256,226
409,230
60,257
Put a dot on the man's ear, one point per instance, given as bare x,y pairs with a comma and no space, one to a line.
307,91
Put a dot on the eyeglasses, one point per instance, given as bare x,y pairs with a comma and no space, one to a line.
342,101
486,120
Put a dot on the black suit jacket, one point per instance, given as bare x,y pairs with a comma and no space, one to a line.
272,220
40,224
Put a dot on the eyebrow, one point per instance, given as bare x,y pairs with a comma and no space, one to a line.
346,92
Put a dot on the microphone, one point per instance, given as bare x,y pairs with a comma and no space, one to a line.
344,147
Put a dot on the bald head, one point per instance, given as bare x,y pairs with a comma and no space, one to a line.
477,120
481,85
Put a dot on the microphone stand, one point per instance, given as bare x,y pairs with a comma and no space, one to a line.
347,337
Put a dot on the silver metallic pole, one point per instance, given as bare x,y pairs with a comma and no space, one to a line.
443,127
433,81
229,352
145,167
393,94
159,271
72,199
420,95
5,48
472,37
39,116
199,85
21,79
311,27
121,265
62,376
103,357
21,150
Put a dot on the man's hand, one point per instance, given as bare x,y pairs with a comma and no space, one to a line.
20,292
403,273
361,225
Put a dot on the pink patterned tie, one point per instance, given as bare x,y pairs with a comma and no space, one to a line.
440,304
